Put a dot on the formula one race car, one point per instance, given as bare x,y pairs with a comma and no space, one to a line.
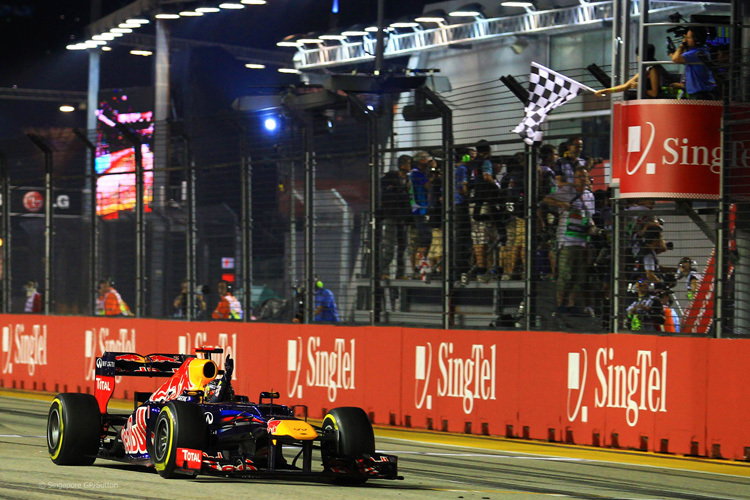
195,424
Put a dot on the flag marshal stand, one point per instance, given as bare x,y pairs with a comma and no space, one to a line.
667,148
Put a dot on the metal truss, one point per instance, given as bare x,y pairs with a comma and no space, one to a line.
68,96
567,19
271,57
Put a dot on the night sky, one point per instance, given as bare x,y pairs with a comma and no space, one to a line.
34,34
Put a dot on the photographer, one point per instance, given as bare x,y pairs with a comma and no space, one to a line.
199,303
650,244
699,81
692,278
646,314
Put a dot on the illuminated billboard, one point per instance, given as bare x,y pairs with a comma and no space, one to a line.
115,155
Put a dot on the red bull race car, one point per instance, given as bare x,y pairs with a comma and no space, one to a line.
195,424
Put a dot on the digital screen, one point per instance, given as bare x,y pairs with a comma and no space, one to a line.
115,154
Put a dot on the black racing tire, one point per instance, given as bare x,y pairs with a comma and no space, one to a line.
355,434
179,425
355,438
74,429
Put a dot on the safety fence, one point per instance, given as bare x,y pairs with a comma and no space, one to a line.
414,207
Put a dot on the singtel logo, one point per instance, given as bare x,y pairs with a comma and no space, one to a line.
635,387
331,367
21,348
675,151
468,378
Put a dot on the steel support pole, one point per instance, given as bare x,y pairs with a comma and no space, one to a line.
375,227
614,278
624,52
292,230
93,218
246,223
190,229
530,202
140,235
42,144
643,44
6,246
449,207
309,223
380,39
140,221
160,147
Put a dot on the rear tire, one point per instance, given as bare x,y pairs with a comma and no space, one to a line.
74,429
179,425
355,438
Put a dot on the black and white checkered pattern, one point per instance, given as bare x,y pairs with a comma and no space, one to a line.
547,91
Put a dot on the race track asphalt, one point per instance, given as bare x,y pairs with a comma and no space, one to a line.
434,465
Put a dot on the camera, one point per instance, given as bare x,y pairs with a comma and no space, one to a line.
677,32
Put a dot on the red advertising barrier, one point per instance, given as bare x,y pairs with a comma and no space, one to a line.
667,148
657,393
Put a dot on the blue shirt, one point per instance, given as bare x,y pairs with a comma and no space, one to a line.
324,297
461,178
419,192
698,78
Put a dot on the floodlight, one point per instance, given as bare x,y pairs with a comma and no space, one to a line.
163,13
404,23
290,41
311,38
469,10
529,6
271,124
436,16
333,35
356,30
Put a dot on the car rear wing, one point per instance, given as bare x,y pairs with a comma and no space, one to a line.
131,364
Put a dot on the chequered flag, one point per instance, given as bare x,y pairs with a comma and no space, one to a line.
547,90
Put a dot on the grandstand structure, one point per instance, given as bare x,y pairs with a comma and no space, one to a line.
220,196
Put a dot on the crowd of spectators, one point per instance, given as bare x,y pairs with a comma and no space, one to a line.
572,240
490,227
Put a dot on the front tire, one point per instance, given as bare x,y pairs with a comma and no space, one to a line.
74,429
179,425
355,438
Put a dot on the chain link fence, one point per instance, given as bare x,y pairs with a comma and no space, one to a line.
419,208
